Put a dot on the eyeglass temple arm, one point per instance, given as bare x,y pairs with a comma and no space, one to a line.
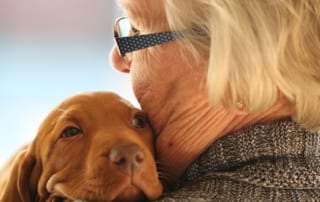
133,43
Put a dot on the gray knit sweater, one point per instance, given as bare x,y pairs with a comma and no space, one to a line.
278,161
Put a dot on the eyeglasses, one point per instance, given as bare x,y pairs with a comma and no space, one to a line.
129,40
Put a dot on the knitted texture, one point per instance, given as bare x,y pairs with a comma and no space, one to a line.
276,161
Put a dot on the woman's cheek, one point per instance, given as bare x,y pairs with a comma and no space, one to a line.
140,79
154,70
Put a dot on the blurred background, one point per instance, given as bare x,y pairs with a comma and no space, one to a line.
48,51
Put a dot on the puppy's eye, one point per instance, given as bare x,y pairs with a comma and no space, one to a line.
139,121
71,131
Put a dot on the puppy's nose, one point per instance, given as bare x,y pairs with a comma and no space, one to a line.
128,158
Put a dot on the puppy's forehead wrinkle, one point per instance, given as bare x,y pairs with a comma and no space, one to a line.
60,116
79,114
104,100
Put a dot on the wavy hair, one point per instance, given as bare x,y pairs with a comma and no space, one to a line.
255,49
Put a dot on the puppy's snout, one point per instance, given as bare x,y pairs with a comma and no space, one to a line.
128,157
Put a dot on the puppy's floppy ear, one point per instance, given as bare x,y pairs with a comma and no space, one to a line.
21,184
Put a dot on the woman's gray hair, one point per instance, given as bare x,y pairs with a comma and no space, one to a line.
255,49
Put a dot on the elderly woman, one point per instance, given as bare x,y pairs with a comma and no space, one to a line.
232,89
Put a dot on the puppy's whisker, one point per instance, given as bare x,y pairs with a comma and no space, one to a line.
164,176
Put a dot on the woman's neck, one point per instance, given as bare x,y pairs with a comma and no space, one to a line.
190,130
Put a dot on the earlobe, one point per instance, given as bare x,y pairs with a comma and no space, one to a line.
240,109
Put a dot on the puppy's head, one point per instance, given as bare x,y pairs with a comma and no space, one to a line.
94,147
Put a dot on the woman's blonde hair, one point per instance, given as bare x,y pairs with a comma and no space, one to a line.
256,48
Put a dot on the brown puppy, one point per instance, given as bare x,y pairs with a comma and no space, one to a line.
92,147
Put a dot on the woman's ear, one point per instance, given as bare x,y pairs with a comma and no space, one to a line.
21,185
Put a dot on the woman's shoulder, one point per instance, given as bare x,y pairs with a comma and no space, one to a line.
220,188
271,161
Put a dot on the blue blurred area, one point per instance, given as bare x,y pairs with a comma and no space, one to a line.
37,71
35,77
